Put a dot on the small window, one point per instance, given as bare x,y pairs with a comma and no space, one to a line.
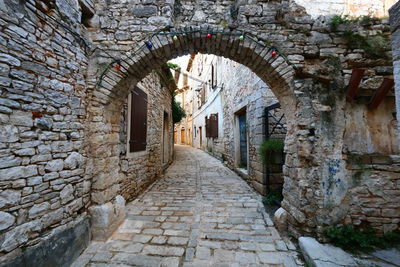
213,76
138,121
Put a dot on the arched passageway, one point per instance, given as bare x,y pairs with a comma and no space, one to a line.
265,61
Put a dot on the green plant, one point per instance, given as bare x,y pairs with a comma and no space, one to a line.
173,66
242,166
272,197
348,238
269,148
337,21
365,20
178,113
375,46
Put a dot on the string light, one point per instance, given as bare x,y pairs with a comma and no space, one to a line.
149,44
118,65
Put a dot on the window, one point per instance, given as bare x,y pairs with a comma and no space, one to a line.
203,95
138,121
212,126
213,76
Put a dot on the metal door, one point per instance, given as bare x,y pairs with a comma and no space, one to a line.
243,140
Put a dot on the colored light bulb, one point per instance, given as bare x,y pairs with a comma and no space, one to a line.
274,53
241,37
208,35
118,67
149,45
175,38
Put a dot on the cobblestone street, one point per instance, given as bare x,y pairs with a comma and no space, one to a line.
199,214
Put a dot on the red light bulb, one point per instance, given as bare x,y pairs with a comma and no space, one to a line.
118,67
208,36
274,53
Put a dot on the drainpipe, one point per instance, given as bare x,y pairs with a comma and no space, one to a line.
266,137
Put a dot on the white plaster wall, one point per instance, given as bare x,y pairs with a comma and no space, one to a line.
377,8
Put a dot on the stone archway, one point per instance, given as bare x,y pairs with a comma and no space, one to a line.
319,180
263,60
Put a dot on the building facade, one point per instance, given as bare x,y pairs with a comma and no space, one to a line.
229,116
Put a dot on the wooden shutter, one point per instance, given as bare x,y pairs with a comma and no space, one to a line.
138,129
213,76
207,127
203,95
213,121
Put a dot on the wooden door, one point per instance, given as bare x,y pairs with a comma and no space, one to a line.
183,139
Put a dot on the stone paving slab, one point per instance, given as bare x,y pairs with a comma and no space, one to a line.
199,213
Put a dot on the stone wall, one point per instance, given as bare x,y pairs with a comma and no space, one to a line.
43,186
375,191
395,25
140,169
243,89
213,102
353,8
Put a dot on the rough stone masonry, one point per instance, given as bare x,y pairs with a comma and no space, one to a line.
59,127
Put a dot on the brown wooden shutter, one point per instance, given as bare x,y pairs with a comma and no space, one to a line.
213,76
138,131
214,125
203,95
208,128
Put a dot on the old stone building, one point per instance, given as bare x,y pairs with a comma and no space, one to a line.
183,131
231,94
67,68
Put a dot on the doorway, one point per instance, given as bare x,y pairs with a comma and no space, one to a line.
242,140
183,139
165,144
201,136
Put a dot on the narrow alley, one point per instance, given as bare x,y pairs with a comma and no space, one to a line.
199,214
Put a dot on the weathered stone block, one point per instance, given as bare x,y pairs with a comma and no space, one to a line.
9,133
106,218
67,194
60,248
9,198
6,220
144,11
38,209
55,165
18,172
73,161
